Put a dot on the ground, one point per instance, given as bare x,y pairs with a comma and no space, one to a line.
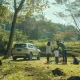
36,69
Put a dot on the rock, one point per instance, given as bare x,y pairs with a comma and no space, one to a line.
58,72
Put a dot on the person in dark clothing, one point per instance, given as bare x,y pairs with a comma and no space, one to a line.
75,60
64,53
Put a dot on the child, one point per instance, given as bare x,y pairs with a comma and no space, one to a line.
56,53
75,61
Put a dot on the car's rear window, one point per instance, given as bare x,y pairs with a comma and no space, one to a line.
20,45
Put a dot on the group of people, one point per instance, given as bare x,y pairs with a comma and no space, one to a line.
50,50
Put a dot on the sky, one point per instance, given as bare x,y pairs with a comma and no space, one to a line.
49,13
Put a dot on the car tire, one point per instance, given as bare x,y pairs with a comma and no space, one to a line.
14,58
30,56
24,58
38,57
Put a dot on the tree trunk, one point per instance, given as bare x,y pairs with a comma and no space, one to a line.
9,46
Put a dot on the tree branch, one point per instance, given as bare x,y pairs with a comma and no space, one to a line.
74,19
20,5
15,5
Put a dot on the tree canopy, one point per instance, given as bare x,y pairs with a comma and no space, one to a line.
23,20
72,11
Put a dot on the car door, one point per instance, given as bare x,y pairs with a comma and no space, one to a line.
31,48
35,50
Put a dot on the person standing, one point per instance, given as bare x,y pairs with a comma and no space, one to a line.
64,53
56,53
49,49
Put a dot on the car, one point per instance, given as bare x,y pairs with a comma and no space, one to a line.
25,50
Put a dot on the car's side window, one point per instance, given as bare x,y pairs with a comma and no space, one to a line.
35,47
23,46
30,46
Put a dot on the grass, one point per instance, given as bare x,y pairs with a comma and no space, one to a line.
36,70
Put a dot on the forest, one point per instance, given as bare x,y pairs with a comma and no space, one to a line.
30,26
23,21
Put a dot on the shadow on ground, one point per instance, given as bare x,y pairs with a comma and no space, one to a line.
74,78
19,60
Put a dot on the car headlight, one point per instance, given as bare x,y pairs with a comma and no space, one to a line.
39,50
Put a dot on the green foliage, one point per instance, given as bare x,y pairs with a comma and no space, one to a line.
71,10
3,39
36,70
35,28
19,37
4,36
60,1
78,37
44,29
38,27
18,76
3,12
35,6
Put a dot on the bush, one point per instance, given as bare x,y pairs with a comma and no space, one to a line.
3,43
3,40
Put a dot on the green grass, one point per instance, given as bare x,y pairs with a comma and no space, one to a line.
36,70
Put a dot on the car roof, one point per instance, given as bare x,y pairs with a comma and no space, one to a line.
25,43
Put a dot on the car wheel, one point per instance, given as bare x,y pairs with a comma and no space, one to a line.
14,58
25,58
38,57
30,56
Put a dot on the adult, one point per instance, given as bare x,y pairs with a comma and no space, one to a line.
49,49
64,53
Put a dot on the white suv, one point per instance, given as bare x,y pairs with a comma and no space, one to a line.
25,50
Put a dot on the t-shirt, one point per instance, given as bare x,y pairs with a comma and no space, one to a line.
56,53
48,49
62,46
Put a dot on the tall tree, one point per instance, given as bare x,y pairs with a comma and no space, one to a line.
31,6
16,10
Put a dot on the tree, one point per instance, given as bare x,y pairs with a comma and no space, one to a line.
32,6
72,11
16,10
